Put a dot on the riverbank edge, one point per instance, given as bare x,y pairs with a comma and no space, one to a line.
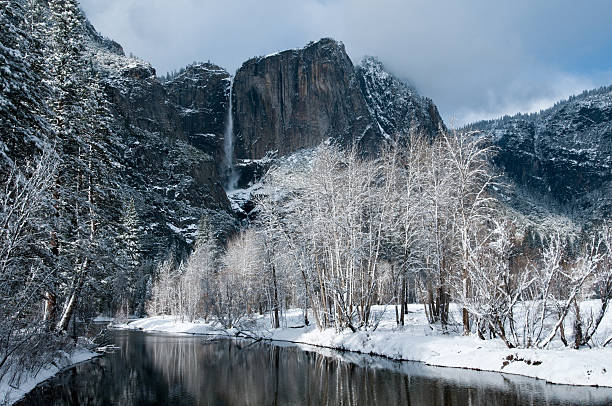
584,367
10,395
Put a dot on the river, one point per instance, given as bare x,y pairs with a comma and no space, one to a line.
156,369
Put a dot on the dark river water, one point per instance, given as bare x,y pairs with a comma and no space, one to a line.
153,369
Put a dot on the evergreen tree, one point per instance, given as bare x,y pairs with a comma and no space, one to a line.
22,91
130,282
69,239
82,121
129,236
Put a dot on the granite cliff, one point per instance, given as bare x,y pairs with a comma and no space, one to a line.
297,98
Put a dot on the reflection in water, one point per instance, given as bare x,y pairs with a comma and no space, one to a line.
179,370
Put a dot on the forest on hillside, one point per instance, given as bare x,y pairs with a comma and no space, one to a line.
67,231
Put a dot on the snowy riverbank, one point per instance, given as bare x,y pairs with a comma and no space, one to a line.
418,342
10,394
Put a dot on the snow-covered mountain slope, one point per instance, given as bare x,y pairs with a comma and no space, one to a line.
394,106
563,153
168,138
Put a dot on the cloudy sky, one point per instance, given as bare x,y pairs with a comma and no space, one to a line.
476,59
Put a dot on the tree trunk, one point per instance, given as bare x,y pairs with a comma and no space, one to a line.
50,314
62,326
464,311
403,300
71,305
396,316
50,309
276,319
466,321
578,337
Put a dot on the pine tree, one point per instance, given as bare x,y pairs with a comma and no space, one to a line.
130,282
129,237
82,124
25,131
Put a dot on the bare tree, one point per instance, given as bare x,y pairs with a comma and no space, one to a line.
598,260
238,285
25,267
163,299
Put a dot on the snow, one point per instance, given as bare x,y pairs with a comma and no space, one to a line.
170,324
102,319
174,228
272,54
293,50
10,394
417,341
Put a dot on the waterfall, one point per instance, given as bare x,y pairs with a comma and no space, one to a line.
228,144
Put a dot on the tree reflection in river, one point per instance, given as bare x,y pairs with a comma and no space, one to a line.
179,370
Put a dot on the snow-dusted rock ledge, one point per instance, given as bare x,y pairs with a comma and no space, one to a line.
417,342
10,394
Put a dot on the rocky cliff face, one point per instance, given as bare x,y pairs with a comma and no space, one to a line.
200,97
171,137
173,130
190,107
564,152
297,98
394,106
281,103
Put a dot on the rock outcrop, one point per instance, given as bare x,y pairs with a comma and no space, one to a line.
200,97
297,98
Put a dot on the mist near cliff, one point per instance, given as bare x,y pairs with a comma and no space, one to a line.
476,60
